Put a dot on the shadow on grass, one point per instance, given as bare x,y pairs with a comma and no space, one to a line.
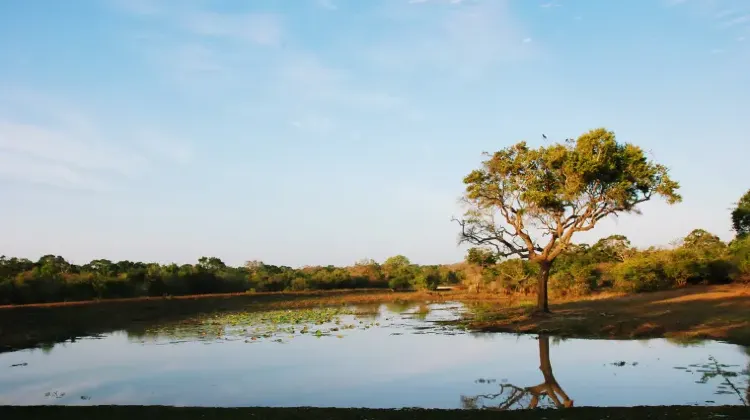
693,313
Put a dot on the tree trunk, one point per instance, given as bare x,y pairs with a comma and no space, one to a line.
541,288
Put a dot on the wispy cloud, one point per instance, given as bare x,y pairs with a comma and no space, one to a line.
314,124
736,21
140,7
465,41
550,4
163,145
327,4
48,141
23,168
258,28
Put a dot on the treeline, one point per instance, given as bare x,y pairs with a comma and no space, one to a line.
613,264
53,279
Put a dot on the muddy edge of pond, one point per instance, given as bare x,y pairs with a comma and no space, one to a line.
691,313
187,413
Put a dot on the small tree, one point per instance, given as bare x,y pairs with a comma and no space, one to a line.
528,202
741,216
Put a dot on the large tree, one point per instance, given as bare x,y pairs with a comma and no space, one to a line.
741,216
528,203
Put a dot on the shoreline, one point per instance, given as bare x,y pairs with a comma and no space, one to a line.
687,314
298,413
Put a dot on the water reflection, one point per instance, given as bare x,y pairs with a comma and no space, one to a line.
398,355
512,396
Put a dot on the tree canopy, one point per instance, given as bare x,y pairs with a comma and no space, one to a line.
528,202
741,216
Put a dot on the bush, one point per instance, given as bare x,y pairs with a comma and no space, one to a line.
643,273
399,283
739,251
576,281
428,279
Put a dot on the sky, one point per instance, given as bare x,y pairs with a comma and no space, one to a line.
315,132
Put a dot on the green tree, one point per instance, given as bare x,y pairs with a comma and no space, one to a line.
741,216
211,264
481,257
529,202
612,248
701,239
397,272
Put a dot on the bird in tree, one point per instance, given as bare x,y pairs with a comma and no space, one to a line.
528,203
741,216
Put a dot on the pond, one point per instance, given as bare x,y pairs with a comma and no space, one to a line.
378,356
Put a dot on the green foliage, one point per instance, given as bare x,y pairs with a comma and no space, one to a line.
642,273
428,279
739,251
579,280
512,276
53,279
481,257
560,190
612,264
741,216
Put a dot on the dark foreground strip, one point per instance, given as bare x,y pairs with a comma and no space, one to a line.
190,413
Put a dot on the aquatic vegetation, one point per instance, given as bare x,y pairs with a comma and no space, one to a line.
253,326
730,375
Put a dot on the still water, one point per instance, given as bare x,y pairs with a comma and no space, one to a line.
379,356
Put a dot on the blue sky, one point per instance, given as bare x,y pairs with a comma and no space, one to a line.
325,131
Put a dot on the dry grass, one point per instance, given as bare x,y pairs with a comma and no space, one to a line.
700,312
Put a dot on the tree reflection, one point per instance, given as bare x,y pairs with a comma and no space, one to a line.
547,394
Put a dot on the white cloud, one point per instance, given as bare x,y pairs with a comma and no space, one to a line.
140,7
258,28
736,21
163,145
314,124
48,141
68,146
327,4
550,5
304,77
27,169
464,42
526,40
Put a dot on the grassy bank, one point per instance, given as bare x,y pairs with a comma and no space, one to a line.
710,312
691,313
167,413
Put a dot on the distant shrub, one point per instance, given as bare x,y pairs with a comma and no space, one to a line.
428,279
300,283
642,273
740,256
399,283
576,281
